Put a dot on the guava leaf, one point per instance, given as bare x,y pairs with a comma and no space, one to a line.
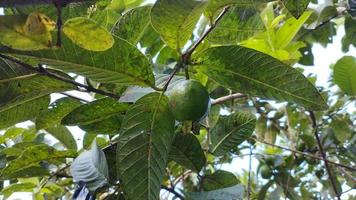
176,20
54,115
143,147
186,151
62,134
94,111
239,23
122,64
296,8
133,24
219,180
26,32
31,156
91,168
231,131
258,74
234,192
17,187
345,74
87,34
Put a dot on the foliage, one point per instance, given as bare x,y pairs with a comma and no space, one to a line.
127,56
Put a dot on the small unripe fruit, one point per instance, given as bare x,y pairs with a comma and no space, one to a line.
188,100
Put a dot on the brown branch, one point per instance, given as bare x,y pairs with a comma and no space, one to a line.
186,56
16,3
43,71
171,190
227,98
305,154
323,154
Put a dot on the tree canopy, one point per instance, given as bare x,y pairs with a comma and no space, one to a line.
130,73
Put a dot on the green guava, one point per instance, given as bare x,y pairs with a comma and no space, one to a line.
188,100
266,172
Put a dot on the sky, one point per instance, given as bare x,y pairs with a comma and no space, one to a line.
323,58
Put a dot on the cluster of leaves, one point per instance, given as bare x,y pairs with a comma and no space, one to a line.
128,52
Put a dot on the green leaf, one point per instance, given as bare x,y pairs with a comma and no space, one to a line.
238,24
133,24
234,192
257,74
341,128
63,135
143,146
26,32
54,115
18,85
218,180
122,64
297,8
186,151
94,111
176,20
23,111
17,187
32,155
231,131
26,172
345,74
87,34
350,31
91,168
289,30
110,125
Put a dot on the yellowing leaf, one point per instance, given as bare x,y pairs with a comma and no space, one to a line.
87,34
30,32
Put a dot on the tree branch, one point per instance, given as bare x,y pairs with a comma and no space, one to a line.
305,154
173,192
227,98
16,3
43,71
186,56
323,154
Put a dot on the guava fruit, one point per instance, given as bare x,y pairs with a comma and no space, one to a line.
188,100
266,172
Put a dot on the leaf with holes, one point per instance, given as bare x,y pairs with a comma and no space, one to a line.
143,146
122,64
32,155
23,32
175,20
345,74
231,131
297,8
258,74
186,151
87,34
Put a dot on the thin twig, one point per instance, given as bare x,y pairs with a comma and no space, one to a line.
249,175
305,154
227,98
186,56
45,72
173,192
323,154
